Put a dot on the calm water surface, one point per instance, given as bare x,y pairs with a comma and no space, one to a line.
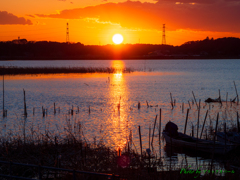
152,81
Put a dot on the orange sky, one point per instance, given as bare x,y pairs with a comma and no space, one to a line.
94,22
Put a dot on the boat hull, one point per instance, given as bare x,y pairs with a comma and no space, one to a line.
199,145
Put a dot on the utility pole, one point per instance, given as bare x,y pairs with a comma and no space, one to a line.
163,36
67,35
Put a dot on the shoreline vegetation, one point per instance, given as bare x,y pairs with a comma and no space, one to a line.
21,49
74,151
14,70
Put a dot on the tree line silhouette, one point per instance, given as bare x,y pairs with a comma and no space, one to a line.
44,50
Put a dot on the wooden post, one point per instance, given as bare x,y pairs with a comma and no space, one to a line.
186,122
214,142
236,92
160,119
3,98
194,99
140,137
139,105
225,134
238,123
220,97
189,105
149,136
192,131
204,124
54,108
226,98
182,107
153,130
198,117
171,100
25,107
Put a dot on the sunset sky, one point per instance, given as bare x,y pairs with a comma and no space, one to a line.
94,22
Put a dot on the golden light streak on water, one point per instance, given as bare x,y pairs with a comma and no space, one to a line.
118,122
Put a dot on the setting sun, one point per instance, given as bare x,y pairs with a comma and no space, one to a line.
117,38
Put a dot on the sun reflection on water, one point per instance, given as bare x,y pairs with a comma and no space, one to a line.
118,121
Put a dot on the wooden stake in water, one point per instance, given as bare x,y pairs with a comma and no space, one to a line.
3,98
238,123
195,99
189,105
154,130
171,100
220,97
198,117
204,124
236,91
226,98
139,105
214,142
160,119
149,136
54,109
186,122
25,107
140,137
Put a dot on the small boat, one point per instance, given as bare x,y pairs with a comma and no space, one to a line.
208,100
231,137
177,139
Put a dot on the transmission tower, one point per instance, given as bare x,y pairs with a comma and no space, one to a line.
163,36
67,35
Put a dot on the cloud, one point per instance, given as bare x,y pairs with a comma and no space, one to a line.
221,15
8,18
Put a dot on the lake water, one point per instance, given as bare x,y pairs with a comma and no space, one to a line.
152,81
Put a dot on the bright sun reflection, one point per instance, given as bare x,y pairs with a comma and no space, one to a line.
118,121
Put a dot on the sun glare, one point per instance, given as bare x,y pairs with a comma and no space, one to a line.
117,38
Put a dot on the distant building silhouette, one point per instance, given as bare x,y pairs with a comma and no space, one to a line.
19,41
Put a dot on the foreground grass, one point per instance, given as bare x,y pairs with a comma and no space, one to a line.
73,153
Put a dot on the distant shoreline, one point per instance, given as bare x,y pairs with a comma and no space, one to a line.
126,58
14,70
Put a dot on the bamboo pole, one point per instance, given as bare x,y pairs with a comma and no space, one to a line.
238,123
186,122
25,107
3,98
236,91
225,138
198,117
140,137
153,130
220,97
214,140
171,100
189,105
226,98
160,119
54,108
149,136
195,99
203,124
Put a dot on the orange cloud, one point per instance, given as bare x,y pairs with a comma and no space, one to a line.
207,15
8,18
